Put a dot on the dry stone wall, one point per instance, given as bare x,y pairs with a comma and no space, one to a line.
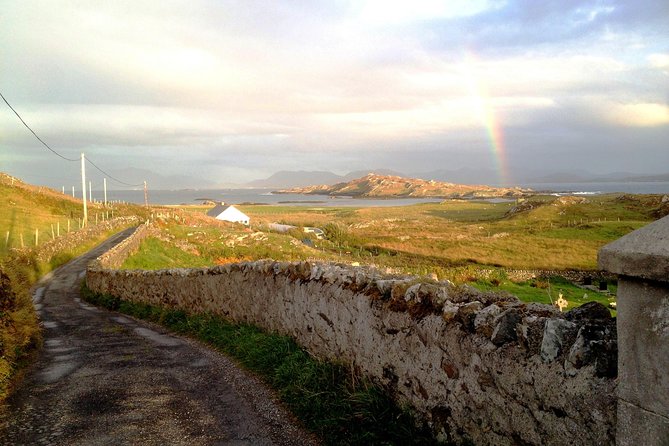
479,367
71,240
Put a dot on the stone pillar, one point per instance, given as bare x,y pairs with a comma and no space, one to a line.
641,259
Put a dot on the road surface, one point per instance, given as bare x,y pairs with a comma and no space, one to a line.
107,379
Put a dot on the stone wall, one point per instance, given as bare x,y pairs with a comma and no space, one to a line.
115,257
72,240
480,367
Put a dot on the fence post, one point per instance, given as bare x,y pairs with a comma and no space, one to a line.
36,237
7,239
641,259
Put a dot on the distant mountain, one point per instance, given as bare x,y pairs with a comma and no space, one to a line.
386,186
303,178
299,178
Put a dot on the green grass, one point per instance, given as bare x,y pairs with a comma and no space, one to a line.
154,254
339,408
543,290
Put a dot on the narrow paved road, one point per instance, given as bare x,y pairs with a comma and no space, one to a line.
106,379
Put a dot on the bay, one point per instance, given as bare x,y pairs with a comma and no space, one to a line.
238,196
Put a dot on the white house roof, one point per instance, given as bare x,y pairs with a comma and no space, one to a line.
218,210
228,213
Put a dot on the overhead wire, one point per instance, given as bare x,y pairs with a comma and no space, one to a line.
110,176
33,132
64,157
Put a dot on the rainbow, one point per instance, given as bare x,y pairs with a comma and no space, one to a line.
479,91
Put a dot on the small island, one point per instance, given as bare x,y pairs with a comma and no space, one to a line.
387,186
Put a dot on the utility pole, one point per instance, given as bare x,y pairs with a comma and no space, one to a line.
104,186
72,191
83,186
146,195
90,192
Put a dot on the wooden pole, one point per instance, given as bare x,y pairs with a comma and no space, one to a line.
53,234
104,186
36,237
22,245
72,191
83,187
7,239
58,228
68,225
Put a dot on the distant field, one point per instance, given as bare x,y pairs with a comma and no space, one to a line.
451,240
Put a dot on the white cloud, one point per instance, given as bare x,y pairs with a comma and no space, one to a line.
180,76
638,115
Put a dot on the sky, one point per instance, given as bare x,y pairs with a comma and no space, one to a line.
230,91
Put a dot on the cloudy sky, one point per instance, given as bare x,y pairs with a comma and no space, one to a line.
231,91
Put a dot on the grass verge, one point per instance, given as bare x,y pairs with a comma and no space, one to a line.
331,402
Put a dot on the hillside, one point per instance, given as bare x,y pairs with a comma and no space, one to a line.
387,186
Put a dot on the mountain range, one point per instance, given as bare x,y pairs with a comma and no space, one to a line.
465,175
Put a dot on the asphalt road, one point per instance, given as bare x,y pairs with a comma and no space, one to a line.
106,379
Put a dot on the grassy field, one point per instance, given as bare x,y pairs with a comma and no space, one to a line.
453,240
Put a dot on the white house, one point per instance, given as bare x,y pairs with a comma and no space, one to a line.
228,213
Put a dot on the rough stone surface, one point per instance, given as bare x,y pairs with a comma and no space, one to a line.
643,334
641,427
505,327
557,333
431,352
590,310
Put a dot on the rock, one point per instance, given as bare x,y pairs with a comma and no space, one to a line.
440,296
588,311
542,310
449,311
385,287
596,344
530,333
557,333
449,368
421,293
467,314
483,322
505,327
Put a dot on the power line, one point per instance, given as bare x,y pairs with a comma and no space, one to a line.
111,177
31,131
65,158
